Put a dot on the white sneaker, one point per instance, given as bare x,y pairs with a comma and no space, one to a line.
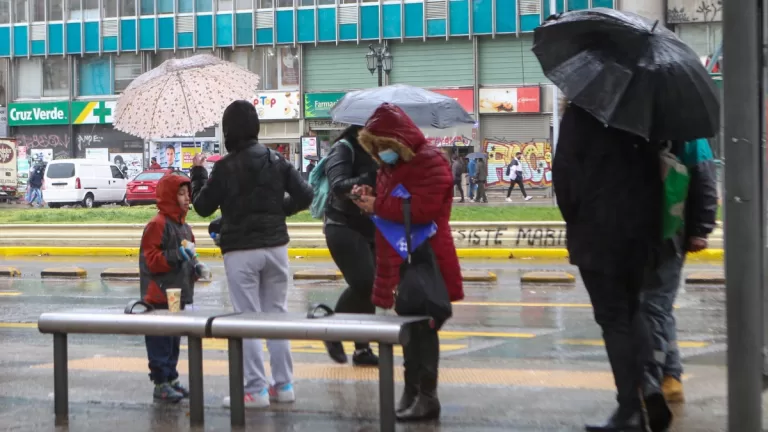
528,198
259,401
282,394
509,199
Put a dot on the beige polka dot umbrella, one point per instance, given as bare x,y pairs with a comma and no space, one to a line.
182,96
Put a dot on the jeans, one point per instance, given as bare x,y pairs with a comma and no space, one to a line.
471,189
658,300
355,256
616,305
163,355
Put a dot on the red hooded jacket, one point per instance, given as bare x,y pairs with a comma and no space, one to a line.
425,173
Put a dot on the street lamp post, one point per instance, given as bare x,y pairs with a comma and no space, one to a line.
379,59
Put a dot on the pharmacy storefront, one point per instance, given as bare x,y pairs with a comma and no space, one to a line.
41,129
317,112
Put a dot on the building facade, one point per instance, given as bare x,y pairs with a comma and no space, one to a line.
63,63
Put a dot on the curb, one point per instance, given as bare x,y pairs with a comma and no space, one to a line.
478,276
120,273
9,272
548,277
64,272
466,253
706,278
326,275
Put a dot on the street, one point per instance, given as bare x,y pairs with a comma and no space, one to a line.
522,358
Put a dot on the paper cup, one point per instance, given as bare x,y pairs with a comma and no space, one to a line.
174,299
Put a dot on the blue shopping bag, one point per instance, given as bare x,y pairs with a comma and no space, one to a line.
394,232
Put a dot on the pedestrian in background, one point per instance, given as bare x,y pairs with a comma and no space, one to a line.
34,185
663,282
457,169
256,189
515,173
350,234
471,172
406,159
480,179
154,165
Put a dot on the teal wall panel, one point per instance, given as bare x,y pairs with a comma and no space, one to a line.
336,68
459,24
55,38
244,29
528,23
204,31
284,24
508,60
73,38
264,36
165,33
326,25
603,3
20,34
147,33
578,4
5,41
306,25
414,20
392,22
38,47
418,63
481,16
185,40
128,34
369,22
436,27
224,30
92,37
109,44
348,32
505,16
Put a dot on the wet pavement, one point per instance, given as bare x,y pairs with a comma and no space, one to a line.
519,358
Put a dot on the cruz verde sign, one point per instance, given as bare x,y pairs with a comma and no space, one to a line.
38,113
94,112
318,105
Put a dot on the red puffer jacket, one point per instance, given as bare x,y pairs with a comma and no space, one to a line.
425,173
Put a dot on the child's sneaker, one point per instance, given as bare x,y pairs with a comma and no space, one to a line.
176,385
282,393
165,393
260,400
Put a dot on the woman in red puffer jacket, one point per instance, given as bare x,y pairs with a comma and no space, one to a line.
405,157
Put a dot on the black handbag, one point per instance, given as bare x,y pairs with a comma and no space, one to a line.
421,290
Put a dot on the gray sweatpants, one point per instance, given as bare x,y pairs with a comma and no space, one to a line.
258,282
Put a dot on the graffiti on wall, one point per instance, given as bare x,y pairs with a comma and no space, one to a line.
686,11
43,140
536,159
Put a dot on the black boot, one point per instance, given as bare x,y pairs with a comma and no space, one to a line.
336,352
426,406
656,413
410,376
622,420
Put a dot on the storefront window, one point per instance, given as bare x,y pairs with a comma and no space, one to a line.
184,6
164,6
277,67
91,9
244,4
264,4
37,77
326,2
162,56
20,9
127,7
702,37
108,74
127,68
55,77
284,3
5,11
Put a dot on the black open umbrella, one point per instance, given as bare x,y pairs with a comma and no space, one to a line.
630,73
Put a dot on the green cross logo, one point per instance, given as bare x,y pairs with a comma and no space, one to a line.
102,112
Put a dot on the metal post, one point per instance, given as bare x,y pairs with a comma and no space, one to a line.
744,223
60,385
196,406
386,389
381,76
236,390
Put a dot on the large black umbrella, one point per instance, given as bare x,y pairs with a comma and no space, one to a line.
630,73
425,108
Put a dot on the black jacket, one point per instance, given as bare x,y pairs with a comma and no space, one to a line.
36,178
609,190
345,170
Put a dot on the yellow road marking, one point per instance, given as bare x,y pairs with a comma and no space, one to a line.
316,347
598,342
18,325
571,379
9,293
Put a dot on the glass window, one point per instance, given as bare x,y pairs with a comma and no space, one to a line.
91,9
127,68
20,11
278,68
116,172
150,176
95,76
244,4
326,2
60,170
164,55
29,78
110,8
306,2
5,11
204,5
224,5
285,3
164,6
184,6
56,10
127,7
73,9
55,77
38,10
147,7
3,77
264,4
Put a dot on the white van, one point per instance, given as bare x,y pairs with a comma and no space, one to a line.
85,182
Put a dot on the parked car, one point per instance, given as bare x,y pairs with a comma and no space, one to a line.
143,188
85,182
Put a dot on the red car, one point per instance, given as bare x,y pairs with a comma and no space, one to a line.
142,189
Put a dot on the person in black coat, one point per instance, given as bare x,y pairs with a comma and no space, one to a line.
609,191
349,235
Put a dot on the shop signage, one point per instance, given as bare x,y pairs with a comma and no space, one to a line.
465,97
510,100
308,148
318,125
278,105
38,113
318,105
93,112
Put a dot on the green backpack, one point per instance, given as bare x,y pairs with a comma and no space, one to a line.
320,186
